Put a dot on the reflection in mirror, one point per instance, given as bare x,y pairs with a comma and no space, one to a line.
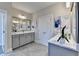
20,24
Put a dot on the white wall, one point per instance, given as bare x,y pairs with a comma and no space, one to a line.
57,9
73,18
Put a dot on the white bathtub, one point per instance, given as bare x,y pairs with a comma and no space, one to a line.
62,49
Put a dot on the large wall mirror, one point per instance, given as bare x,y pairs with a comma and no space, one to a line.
20,24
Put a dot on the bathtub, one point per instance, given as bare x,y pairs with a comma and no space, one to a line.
62,48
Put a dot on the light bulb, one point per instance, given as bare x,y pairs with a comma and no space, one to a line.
21,16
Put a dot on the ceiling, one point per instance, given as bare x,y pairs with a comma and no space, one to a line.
31,7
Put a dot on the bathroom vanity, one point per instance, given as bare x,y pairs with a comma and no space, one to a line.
62,48
21,32
21,38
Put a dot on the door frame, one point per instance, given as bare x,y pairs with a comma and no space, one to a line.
4,29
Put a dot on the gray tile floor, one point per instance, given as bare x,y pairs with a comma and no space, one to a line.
32,49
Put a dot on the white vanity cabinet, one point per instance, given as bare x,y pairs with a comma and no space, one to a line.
22,38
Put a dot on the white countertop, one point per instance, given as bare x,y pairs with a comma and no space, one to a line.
71,45
22,32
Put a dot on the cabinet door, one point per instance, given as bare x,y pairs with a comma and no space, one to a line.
15,41
33,36
22,39
28,37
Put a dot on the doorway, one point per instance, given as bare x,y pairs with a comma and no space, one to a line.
3,18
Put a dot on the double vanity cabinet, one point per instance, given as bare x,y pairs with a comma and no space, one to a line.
21,38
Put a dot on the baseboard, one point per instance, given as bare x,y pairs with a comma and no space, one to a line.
8,50
22,45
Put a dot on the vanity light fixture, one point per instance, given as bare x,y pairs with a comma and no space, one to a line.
21,16
67,4
15,22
